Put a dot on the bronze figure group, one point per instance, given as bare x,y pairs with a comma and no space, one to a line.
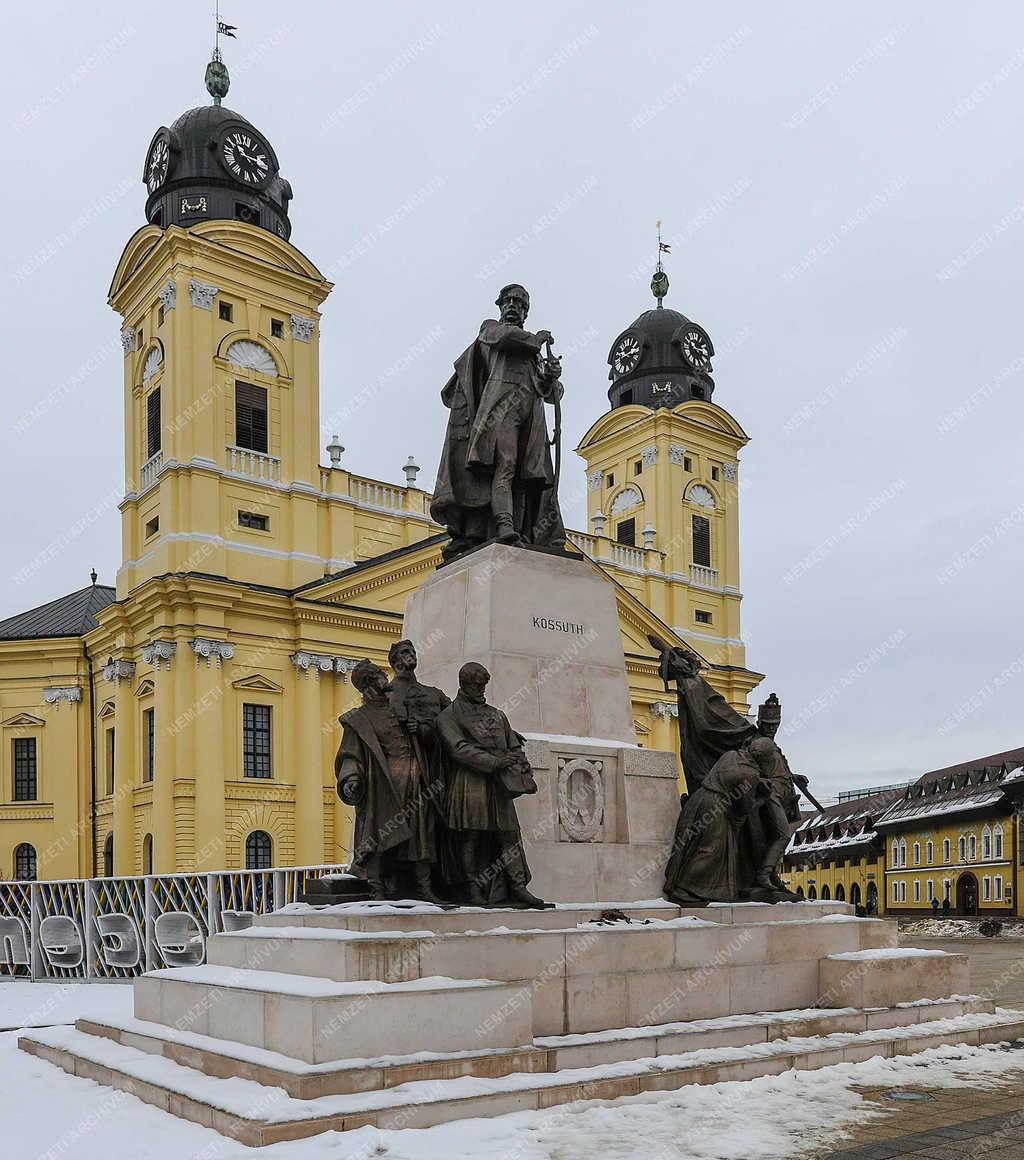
433,783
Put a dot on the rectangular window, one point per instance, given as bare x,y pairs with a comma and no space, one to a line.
276,328
153,423
638,467
917,890
149,742
609,479
714,473
224,310
625,532
999,888
986,888
253,520
701,541
687,463
25,769
256,741
251,417
160,315
701,617
110,761
931,890
152,526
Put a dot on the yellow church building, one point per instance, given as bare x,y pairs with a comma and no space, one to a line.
186,719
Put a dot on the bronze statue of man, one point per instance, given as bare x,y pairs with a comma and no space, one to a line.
496,480
778,808
488,768
380,770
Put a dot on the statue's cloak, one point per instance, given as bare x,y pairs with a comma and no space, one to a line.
708,727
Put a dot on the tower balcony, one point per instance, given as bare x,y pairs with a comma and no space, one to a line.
628,557
703,577
253,464
149,471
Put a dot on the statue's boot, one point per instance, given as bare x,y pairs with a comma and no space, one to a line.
424,889
506,530
520,896
377,890
474,895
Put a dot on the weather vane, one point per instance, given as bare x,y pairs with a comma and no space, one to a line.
217,79
659,283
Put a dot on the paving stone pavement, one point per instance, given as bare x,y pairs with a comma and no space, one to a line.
968,1123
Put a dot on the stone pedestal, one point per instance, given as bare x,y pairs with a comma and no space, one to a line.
547,628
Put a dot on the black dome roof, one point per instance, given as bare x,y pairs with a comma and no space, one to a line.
662,375
198,186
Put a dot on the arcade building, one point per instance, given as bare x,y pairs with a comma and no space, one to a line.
185,718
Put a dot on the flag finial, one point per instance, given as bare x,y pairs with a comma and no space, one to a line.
217,79
659,283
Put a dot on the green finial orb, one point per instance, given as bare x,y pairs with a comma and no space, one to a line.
659,286
217,79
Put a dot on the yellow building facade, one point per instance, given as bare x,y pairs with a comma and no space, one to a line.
186,718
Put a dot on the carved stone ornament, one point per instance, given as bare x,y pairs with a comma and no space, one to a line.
628,498
154,361
128,339
595,479
57,693
580,798
302,328
344,665
118,671
317,663
676,453
201,294
169,295
730,472
701,496
665,709
649,455
252,356
206,649
158,651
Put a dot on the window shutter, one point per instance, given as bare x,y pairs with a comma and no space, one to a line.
625,532
701,541
251,417
153,423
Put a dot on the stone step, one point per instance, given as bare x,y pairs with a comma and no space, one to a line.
884,976
319,1019
403,917
587,978
256,1115
304,1081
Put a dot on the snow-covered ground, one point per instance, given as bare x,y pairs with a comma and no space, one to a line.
957,928
24,1004
48,1115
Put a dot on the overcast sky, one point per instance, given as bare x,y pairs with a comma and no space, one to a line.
843,188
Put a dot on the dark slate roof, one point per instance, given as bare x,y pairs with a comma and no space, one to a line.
842,830
71,615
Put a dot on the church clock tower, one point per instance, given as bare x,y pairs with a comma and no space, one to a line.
220,336
663,485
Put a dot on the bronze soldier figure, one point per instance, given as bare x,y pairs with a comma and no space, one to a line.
778,808
488,767
380,770
496,479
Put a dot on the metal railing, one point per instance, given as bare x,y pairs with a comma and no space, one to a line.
117,928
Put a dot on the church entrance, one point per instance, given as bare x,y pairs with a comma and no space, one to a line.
967,894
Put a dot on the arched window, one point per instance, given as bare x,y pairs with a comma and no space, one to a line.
917,853
917,889
825,893
986,845
961,849
972,847
986,888
812,893
840,893
895,853
903,851
259,851
931,890
108,857
947,850
929,852
147,854
25,862
997,842
800,892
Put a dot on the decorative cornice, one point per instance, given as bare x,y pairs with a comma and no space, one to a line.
158,651
128,339
202,294
665,709
205,649
57,693
169,295
302,328
118,671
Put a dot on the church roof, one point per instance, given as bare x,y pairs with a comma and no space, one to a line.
71,615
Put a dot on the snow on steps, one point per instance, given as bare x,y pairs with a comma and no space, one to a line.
258,1114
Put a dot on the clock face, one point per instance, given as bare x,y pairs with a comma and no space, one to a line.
626,354
157,164
246,157
696,348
